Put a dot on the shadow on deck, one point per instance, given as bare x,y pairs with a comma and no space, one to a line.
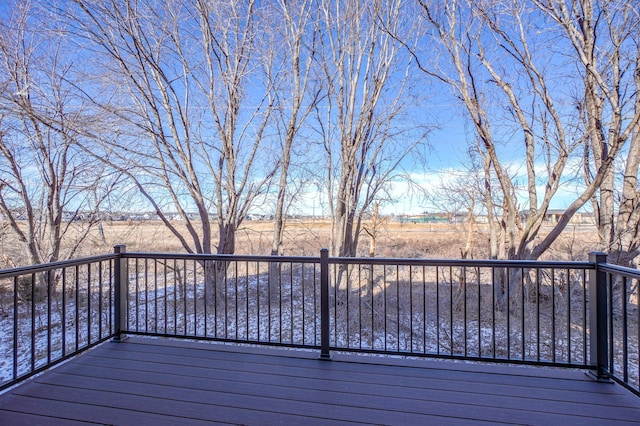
160,381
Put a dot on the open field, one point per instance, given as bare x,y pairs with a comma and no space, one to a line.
307,237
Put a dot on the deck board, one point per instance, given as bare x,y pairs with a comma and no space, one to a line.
158,381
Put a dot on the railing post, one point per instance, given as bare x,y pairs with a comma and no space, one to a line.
324,305
120,292
598,338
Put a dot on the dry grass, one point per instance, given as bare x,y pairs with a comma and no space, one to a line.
307,237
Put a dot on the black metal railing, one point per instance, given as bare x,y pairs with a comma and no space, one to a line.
254,299
51,312
571,314
621,325
527,312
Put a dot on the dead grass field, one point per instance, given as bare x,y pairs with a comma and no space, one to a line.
307,237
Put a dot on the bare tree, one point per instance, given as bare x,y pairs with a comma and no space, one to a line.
366,75
192,106
296,95
496,58
465,193
50,192
604,39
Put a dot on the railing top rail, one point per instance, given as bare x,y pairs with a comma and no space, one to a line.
533,264
33,269
367,260
227,257
620,270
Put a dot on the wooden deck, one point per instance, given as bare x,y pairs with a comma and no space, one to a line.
157,381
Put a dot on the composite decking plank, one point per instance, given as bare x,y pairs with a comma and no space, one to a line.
174,411
394,400
182,381
289,358
330,412
267,409
404,360
365,397
15,418
419,366
209,396
149,372
81,412
393,373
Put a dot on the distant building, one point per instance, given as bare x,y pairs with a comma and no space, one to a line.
552,216
427,218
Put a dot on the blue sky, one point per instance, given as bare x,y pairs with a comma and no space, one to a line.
448,142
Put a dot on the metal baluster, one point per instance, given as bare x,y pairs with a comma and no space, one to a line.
77,313
451,310
185,317
568,316
155,297
111,295
49,296
437,310
280,302
258,299
15,327
522,330
424,310
235,280
463,271
146,296
205,297
625,335
63,319
411,308
99,300
225,284
215,300
611,336
33,322
398,306
479,313
315,305
538,312
347,309
166,296
584,316
137,296
384,307
291,301
175,295
493,310
269,286
508,291
373,327
246,292
304,321
553,315
89,303
336,283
